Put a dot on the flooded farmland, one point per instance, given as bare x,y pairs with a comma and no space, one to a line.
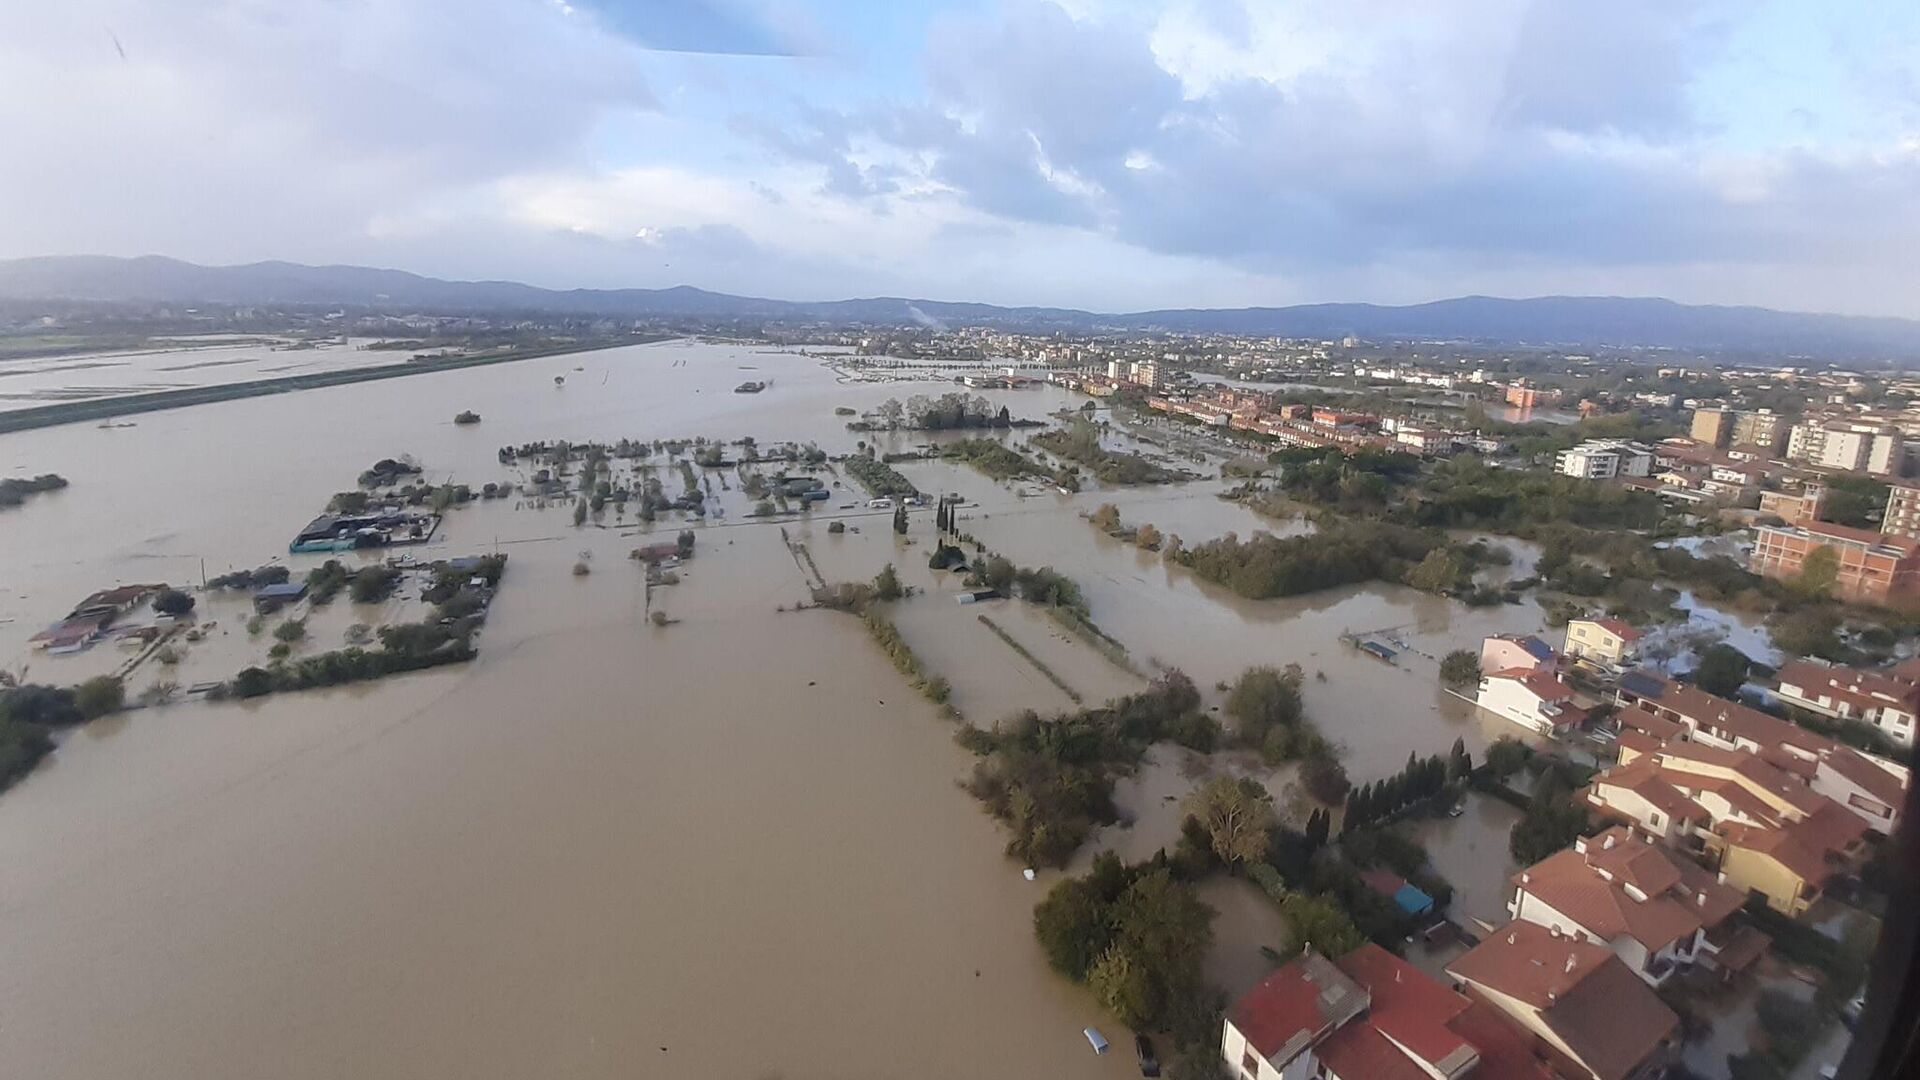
730,846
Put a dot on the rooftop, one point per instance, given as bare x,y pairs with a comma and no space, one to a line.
1605,1015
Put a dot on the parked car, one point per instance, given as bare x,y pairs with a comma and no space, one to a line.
1095,1039
1143,1049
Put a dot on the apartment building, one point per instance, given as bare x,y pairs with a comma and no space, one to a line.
1604,459
1874,567
1902,516
1762,428
1713,427
1848,447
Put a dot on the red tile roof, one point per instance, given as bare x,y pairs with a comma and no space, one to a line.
1506,1050
1619,628
1862,688
1642,777
1544,685
1360,1050
1589,887
1876,781
1809,848
1607,1017
1409,1006
1296,1005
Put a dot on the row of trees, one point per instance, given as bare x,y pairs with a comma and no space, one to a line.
1420,780
947,412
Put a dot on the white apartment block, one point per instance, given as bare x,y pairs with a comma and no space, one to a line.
1604,459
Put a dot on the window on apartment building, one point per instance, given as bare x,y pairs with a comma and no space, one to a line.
1250,1065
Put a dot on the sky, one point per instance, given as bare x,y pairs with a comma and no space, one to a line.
1103,154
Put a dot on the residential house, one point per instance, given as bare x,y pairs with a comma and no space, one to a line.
1609,642
1845,693
1658,912
1508,652
1594,1015
1768,831
1535,699
1371,1016
1873,788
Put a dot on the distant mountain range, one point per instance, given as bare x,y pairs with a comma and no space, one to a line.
1578,321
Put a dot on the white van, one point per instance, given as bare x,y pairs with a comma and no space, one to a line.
879,504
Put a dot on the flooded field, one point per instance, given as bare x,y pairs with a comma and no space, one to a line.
731,846
44,380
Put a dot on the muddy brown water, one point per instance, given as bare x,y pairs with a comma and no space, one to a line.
730,847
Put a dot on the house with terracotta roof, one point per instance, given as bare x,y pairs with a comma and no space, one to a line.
1791,864
1672,713
1608,642
1370,1016
1717,721
1592,1016
1767,829
1658,912
1846,693
1873,788
1536,700
1510,652
1639,794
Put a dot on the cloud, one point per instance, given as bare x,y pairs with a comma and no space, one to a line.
1097,153
1322,136
290,125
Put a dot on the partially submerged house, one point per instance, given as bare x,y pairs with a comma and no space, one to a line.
1535,699
1516,652
1606,642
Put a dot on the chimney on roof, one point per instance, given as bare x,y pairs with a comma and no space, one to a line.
1569,963
1608,846
1701,898
1513,939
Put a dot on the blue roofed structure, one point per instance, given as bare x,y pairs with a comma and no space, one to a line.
1643,684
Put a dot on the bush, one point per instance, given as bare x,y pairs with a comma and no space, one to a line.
1264,698
1135,935
173,602
1460,667
373,584
1325,779
99,696
290,631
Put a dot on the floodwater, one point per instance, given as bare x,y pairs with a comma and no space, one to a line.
1471,852
44,380
732,846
